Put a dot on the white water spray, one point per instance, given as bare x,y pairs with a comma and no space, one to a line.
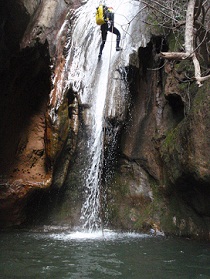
97,85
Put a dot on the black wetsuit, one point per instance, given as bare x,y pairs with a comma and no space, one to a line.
109,17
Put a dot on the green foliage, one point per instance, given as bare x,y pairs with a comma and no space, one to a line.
164,15
202,95
176,40
155,28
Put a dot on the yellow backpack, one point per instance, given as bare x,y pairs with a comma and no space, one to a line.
100,15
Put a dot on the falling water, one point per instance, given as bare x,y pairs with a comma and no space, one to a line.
90,212
99,84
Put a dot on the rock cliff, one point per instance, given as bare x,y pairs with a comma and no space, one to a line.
28,45
166,136
161,171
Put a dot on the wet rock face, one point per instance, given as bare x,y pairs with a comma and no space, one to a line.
148,116
167,134
162,174
28,28
24,94
185,154
31,139
186,150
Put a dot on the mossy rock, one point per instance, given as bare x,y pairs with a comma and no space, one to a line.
129,211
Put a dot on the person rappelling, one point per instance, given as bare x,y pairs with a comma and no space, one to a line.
105,18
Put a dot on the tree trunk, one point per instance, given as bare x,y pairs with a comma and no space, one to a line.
189,27
189,44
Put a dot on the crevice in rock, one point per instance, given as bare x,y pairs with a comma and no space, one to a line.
195,194
22,105
177,105
13,22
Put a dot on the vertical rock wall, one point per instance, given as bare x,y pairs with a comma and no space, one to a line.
29,41
166,137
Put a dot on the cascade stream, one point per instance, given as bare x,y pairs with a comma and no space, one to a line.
100,86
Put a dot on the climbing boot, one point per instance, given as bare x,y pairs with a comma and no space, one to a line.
118,48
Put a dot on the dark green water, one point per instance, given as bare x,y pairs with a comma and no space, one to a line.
97,256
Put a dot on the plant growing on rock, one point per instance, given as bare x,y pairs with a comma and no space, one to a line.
173,15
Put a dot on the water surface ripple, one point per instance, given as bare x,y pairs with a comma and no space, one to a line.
77,255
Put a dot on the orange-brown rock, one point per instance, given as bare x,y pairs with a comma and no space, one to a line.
30,140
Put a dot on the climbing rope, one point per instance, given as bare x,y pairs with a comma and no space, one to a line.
123,74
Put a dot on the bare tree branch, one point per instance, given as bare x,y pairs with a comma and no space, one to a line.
201,79
196,34
175,55
189,45
158,10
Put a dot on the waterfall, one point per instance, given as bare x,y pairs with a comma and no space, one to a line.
100,85
90,212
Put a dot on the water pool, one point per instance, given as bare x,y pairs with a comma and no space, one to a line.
77,255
